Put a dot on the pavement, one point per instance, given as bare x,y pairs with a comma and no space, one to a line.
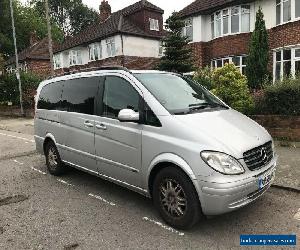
80,211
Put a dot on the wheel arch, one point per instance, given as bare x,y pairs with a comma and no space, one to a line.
166,160
48,137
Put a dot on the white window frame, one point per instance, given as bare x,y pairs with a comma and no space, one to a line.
228,59
57,61
213,21
75,57
92,51
154,24
188,23
161,49
294,59
292,12
111,47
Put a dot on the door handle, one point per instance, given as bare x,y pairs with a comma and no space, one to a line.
101,126
88,124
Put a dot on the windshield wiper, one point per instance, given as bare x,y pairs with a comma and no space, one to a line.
199,106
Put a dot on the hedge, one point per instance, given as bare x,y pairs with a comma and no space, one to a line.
9,89
280,98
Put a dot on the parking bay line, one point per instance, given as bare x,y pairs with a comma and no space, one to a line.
170,229
39,171
297,215
65,182
17,137
18,162
102,199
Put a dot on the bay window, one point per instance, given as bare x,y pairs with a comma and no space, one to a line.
75,57
188,29
287,10
286,63
239,61
110,47
230,21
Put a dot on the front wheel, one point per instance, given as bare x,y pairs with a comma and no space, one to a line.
176,199
53,161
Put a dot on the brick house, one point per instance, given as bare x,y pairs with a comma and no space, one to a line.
220,31
130,37
33,59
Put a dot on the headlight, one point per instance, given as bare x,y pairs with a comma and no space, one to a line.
222,162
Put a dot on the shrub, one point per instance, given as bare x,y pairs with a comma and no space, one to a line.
281,98
231,86
204,77
9,88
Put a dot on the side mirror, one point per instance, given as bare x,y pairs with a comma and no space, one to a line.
128,115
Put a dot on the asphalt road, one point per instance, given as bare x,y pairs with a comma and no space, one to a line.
80,211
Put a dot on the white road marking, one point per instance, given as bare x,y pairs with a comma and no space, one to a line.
101,199
39,171
65,182
297,215
17,137
170,229
20,163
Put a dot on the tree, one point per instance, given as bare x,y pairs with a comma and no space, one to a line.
231,86
71,16
1,64
27,21
258,57
177,56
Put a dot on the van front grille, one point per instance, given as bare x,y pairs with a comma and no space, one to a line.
258,157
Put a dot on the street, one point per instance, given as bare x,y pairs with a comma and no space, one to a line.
80,211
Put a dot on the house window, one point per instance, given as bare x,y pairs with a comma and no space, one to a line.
57,61
161,49
95,52
230,21
154,25
75,57
238,61
110,47
286,63
235,19
188,29
297,8
284,11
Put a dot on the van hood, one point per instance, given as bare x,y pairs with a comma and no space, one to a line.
226,130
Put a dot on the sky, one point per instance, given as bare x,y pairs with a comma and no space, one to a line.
167,5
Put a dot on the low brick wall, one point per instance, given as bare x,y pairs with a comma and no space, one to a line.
15,111
280,127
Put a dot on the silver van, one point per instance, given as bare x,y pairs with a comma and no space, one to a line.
156,133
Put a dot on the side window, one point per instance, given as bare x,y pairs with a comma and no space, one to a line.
79,95
149,117
118,94
50,96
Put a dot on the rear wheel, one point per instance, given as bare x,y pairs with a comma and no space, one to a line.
176,199
53,161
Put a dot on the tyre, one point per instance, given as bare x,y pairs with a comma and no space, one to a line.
176,199
53,161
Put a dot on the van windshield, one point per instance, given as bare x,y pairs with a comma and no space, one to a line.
178,94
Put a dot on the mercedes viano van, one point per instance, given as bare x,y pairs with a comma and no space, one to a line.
156,133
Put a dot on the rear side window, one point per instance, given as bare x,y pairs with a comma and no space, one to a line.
119,94
50,96
79,95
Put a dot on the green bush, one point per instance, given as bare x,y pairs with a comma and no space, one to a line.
231,86
204,77
9,88
281,98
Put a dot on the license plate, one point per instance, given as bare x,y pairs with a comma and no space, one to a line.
265,179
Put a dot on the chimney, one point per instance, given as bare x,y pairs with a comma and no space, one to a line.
33,39
105,10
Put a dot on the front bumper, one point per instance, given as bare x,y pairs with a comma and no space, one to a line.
218,198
